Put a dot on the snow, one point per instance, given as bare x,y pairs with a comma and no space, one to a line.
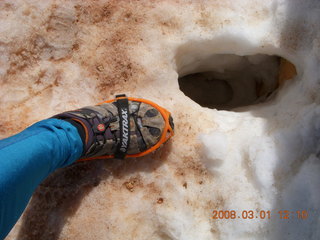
262,155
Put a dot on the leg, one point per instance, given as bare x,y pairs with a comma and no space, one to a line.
119,128
27,158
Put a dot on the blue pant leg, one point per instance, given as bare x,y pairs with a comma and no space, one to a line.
27,158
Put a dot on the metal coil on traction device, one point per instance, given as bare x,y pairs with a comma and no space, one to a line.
166,134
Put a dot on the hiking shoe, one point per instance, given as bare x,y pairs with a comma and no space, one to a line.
122,127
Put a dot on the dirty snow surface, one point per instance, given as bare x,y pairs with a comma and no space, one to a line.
256,165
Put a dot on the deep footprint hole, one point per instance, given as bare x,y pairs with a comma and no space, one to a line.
228,81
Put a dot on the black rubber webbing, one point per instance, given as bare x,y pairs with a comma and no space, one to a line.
124,124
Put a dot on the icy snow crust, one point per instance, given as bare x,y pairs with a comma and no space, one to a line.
59,55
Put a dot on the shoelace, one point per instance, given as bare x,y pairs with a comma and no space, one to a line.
97,144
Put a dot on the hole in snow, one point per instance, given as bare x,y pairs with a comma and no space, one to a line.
226,81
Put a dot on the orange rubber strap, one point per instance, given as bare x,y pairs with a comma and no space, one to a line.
166,134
